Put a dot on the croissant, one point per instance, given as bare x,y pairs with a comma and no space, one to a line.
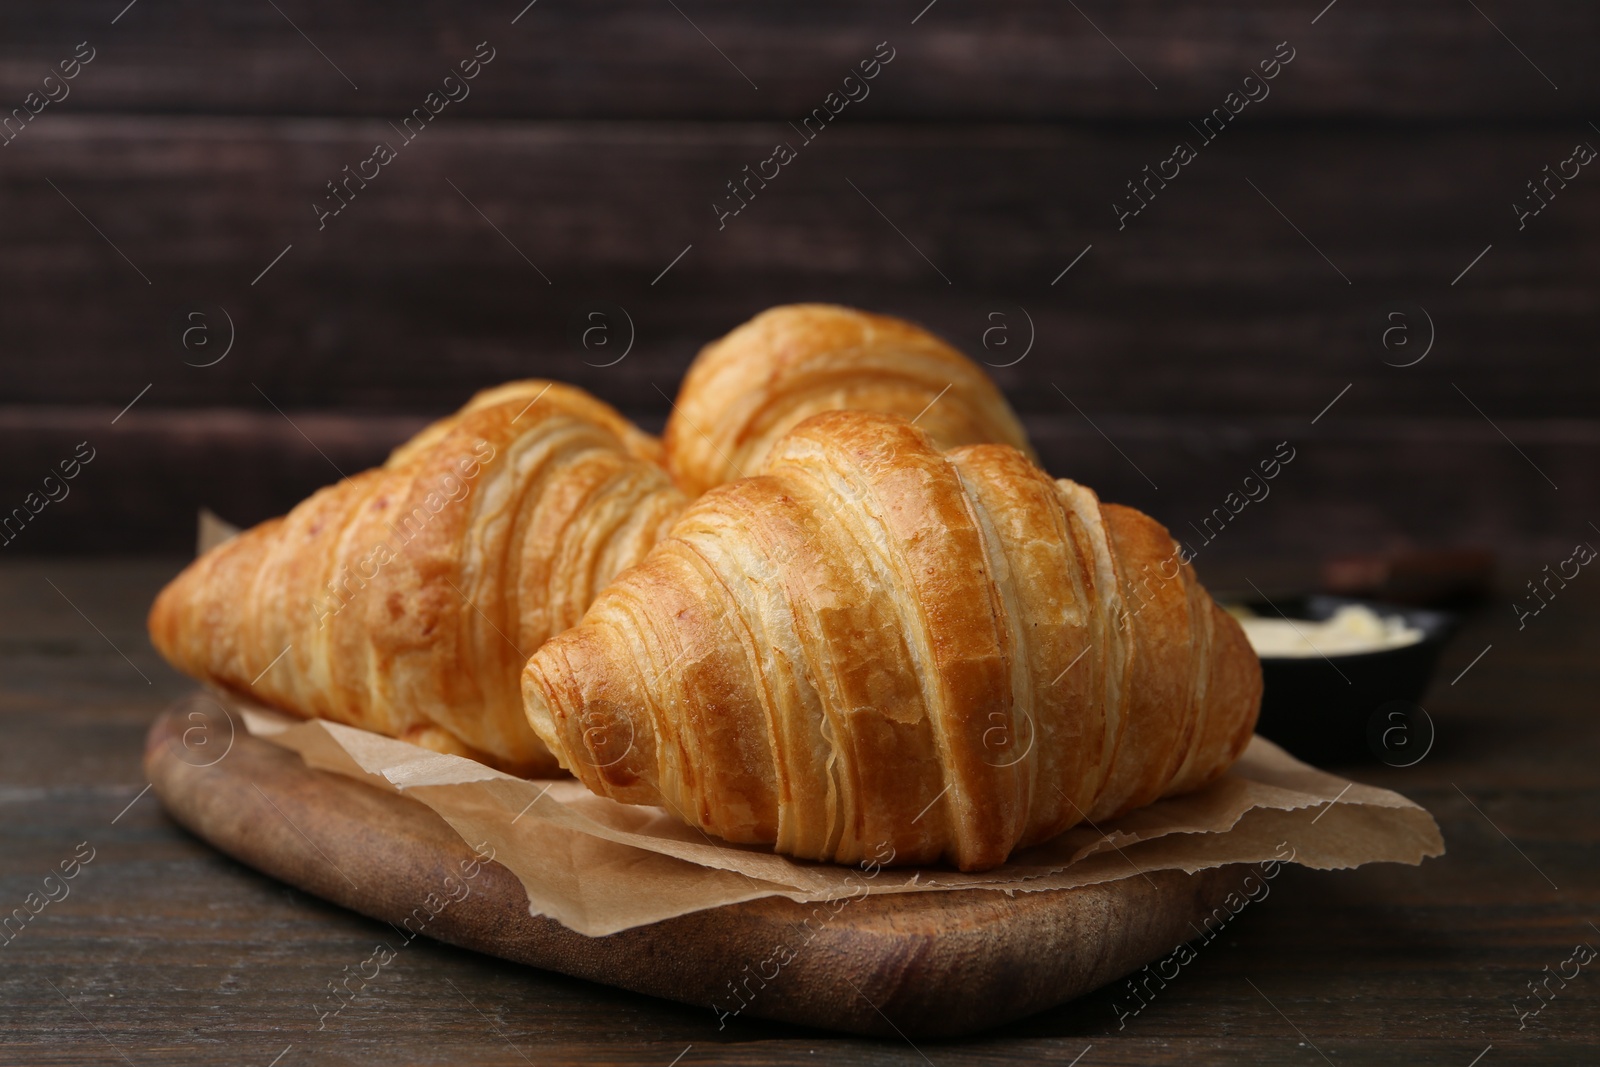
877,648
747,390
404,600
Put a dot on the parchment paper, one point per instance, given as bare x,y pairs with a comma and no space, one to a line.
598,866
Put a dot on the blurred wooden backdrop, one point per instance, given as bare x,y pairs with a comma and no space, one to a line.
1171,357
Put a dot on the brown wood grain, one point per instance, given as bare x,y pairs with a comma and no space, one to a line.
1205,327
637,58
1195,339
175,954
1207,303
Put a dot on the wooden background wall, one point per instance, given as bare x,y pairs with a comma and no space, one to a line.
1221,320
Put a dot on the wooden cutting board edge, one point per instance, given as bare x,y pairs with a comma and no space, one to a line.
935,964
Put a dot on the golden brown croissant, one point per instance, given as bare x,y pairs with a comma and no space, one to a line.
747,390
405,599
874,645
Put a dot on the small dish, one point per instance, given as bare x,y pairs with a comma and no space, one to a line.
1352,706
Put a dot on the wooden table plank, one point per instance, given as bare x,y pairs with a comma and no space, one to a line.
639,58
1208,300
166,952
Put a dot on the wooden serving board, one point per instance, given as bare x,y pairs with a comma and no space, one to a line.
925,964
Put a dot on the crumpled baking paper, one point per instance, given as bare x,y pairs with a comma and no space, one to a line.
598,866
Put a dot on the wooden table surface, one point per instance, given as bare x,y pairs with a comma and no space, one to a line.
164,952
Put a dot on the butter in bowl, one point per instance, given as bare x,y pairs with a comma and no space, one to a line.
1341,677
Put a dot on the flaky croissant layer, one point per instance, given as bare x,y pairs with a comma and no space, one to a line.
874,643
405,599
746,390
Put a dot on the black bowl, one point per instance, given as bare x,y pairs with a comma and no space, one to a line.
1353,707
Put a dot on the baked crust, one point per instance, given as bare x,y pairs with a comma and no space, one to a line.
747,390
874,645
405,599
